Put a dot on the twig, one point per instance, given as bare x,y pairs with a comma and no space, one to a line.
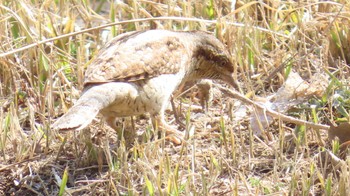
4,167
270,112
130,21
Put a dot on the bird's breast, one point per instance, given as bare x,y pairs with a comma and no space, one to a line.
144,96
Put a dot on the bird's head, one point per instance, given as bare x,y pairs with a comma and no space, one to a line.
211,60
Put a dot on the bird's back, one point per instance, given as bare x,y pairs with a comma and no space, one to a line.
139,55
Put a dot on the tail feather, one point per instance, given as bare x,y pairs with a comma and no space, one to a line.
87,107
78,117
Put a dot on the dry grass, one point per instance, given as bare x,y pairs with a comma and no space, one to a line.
221,156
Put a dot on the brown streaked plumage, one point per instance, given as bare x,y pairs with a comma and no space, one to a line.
137,72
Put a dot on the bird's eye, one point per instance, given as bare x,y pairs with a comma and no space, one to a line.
223,63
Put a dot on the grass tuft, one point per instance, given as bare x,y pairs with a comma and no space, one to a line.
46,46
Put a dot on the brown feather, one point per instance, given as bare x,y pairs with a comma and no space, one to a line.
122,60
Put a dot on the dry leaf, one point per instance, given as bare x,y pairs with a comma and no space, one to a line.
294,91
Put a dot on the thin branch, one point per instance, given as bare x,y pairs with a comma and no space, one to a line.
270,112
131,21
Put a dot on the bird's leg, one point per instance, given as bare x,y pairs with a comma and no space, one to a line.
172,134
111,121
125,129
176,114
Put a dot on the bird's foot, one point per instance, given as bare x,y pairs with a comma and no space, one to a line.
172,134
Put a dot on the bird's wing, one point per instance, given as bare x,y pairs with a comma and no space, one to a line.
138,55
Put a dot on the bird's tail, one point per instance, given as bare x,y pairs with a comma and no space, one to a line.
85,110
77,117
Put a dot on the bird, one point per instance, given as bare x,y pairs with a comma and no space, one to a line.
137,72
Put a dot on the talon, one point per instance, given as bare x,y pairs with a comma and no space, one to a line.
172,134
174,139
